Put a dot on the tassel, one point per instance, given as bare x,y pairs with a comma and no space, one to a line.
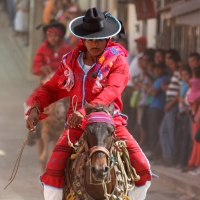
71,196
126,198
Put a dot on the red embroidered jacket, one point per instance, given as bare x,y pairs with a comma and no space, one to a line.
116,81
46,56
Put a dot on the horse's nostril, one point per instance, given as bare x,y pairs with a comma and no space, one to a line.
106,169
93,170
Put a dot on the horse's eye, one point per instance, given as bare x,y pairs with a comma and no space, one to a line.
111,129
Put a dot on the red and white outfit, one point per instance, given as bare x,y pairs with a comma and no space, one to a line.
103,83
46,56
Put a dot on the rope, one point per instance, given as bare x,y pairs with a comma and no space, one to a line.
74,107
106,195
131,170
128,175
14,172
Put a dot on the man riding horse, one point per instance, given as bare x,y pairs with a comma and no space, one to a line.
96,72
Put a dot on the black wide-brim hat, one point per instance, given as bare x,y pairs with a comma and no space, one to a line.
55,23
95,25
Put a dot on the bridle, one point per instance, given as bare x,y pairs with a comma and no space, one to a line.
96,117
94,149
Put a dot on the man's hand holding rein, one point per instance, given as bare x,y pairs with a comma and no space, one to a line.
33,117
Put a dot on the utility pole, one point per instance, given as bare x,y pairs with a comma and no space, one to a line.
35,36
145,10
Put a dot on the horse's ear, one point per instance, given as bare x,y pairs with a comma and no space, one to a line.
88,109
111,108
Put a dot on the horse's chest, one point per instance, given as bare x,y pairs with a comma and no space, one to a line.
82,186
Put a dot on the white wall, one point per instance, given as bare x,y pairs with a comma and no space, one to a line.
151,32
84,4
136,29
112,7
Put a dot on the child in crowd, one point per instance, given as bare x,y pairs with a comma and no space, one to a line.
194,60
159,56
156,111
145,80
168,54
168,126
183,136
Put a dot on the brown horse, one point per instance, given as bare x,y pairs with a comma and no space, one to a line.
50,129
98,168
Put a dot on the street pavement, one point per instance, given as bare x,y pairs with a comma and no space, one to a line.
14,88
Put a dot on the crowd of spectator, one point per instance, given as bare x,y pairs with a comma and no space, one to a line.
162,102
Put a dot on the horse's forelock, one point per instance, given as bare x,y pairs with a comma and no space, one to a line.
99,108
96,108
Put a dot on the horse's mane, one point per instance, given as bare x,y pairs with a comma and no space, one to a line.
99,108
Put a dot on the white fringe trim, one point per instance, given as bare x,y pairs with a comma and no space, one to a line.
139,193
51,193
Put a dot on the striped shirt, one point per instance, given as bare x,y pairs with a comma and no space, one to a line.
173,87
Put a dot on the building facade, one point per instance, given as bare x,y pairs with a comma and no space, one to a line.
179,26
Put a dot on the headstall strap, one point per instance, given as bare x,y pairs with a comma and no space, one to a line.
99,148
96,117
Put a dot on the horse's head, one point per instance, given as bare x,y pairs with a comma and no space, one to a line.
99,130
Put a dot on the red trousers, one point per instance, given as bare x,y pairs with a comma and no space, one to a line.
54,175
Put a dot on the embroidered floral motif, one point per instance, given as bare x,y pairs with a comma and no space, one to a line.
101,59
66,80
114,50
103,68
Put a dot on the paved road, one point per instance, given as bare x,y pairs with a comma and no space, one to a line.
14,88
159,191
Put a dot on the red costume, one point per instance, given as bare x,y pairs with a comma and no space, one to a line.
46,56
102,84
